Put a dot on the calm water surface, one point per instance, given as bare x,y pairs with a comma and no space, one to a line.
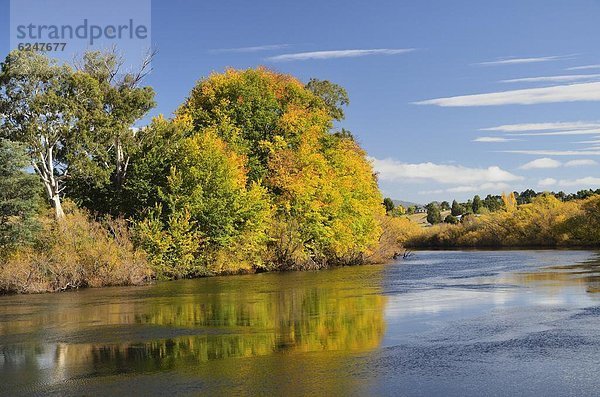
439,323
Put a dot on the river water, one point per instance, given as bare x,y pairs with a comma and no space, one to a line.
462,323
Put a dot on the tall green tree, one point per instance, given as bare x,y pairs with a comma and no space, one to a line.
477,204
123,101
389,205
75,123
42,104
434,216
456,208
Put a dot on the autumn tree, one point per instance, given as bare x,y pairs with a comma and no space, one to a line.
510,202
322,186
205,208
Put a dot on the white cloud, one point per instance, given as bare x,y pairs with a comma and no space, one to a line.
530,96
587,181
303,56
558,133
547,182
268,47
555,79
572,125
585,152
593,141
392,170
485,187
493,139
514,60
544,162
584,67
581,163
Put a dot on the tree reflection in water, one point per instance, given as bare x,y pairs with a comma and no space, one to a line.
182,324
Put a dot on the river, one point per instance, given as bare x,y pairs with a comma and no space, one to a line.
452,323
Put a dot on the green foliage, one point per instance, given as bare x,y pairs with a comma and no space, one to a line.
388,205
477,204
445,206
433,214
98,182
20,198
456,209
398,211
248,176
325,197
150,166
451,219
173,244
208,208
492,203
332,94
75,124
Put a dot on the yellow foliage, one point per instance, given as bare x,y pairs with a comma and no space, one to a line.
76,252
545,222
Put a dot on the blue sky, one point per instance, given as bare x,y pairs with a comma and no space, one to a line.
412,110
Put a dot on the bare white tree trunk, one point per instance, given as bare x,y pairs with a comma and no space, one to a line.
44,167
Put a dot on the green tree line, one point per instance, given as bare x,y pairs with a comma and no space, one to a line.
249,175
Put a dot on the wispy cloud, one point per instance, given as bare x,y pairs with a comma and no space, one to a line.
559,133
258,48
585,67
585,182
485,187
542,163
303,56
530,96
593,141
585,152
515,61
493,139
555,79
570,125
581,163
393,170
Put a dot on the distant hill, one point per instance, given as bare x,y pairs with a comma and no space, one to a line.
405,204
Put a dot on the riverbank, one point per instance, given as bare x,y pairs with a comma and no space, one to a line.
83,252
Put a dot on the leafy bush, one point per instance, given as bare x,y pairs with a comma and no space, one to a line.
76,252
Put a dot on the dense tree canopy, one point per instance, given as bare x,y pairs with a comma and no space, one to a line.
256,162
